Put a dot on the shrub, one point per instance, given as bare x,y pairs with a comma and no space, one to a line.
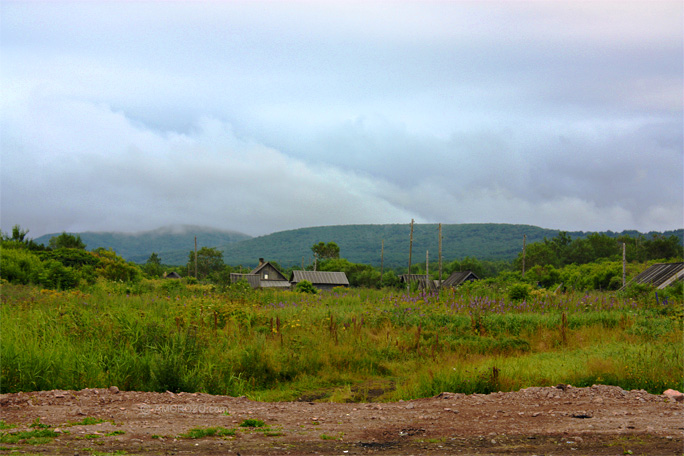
519,291
58,277
20,266
306,287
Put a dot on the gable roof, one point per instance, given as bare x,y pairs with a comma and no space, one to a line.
258,269
424,282
457,278
320,277
660,275
252,279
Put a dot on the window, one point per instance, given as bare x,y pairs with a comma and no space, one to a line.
265,276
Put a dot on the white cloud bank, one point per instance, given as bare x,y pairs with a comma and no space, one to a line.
260,117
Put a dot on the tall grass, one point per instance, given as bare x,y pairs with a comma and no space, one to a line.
283,345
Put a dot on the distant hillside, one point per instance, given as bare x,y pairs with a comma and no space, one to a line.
358,243
172,243
362,243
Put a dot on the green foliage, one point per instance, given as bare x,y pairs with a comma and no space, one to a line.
362,243
171,243
71,257
34,437
67,241
20,266
305,287
359,275
200,433
157,335
153,266
519,292
113,267
251,422
19,239
56,276
606,275
323,251
562,250
209,263
4,425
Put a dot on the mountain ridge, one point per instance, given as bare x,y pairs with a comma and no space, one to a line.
367,244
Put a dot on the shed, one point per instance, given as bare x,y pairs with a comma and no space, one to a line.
323,280
424,282
458,278
251,279
266,275
660,275
172,275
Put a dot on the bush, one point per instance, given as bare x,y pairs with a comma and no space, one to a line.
306,287
20,266
58,277
519,292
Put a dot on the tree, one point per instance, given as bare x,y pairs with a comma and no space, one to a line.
67,241
323,251
18,239
209,262
18,234
153,266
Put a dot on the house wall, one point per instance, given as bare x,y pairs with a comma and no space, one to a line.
271,273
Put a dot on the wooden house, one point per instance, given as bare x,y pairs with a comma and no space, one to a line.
424,282
322,280
660,275
459,278
265,275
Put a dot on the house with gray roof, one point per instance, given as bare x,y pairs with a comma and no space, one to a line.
265,275
423,281
660,275
322,280
458,278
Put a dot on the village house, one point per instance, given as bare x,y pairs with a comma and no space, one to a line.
265,275
660,275
322,280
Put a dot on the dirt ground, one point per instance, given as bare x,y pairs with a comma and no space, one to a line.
601,420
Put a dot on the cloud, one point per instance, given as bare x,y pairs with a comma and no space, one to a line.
92,168
266,116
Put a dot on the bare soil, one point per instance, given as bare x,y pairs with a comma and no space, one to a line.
601,420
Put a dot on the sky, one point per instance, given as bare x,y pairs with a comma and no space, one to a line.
262,116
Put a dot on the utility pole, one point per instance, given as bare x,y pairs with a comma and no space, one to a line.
523,265
196,257
408,282
440,256
624,264
382,259
427,270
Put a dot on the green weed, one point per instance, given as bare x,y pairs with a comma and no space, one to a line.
35,437
199,433
250,422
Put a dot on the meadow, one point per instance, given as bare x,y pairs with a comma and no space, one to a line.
346,345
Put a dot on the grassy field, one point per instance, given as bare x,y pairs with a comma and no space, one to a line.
348,345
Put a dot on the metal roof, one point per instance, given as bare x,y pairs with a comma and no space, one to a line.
275,284
320,277
457,278
252,279
258,269
423,281
660,275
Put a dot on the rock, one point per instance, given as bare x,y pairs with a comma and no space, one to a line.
674,394
113,390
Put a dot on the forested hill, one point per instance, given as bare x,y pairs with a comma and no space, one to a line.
362,243
358,243
171,243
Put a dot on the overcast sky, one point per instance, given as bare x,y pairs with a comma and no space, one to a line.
264,116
